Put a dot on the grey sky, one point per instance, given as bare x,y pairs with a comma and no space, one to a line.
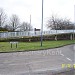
23,8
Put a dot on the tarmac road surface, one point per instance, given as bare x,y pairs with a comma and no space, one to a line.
58,61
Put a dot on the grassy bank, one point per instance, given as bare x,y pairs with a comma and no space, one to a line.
27,46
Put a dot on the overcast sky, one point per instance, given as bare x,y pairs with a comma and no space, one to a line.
23,8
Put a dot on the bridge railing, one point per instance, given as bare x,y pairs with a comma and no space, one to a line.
33,33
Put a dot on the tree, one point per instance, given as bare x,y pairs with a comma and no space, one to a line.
59,23
2,17
14,22
25,27
8,28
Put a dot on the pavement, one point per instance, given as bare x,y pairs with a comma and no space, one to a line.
58,61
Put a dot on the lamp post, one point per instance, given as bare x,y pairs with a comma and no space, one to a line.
74,22
42,26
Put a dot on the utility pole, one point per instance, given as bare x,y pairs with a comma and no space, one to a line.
42,26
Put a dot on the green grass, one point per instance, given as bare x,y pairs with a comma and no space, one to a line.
27,46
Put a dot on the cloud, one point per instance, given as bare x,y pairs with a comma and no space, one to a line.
23,8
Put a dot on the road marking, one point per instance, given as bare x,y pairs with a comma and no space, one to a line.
62,54
68,59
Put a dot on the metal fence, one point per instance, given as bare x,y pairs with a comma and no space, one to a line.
33,33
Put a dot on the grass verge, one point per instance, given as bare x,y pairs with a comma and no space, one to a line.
29,46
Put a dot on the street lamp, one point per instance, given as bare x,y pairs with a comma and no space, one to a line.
42,25
74,22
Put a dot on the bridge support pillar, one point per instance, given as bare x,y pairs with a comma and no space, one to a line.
71,37
56,37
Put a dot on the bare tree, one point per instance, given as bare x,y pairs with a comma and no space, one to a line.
25,27
59,23
8,27
2,17
14,22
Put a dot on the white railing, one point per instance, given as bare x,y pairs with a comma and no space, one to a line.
33,33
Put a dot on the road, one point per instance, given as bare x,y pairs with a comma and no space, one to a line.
58,61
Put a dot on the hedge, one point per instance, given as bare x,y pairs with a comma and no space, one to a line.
37,38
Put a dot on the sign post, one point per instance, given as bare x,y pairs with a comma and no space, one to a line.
13,43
